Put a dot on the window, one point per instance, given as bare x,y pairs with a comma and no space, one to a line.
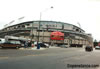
14,42
23,26
28,24
68,27
19,26
77,29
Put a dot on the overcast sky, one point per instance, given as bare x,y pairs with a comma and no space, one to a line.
86,12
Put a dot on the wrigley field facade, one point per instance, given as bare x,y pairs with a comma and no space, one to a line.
41,31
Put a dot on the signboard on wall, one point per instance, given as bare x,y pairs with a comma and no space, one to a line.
57,35
36,24
47,25
59,26
68,27
50,25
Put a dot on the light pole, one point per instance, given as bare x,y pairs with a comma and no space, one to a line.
32,35
45,11
40,23
79,34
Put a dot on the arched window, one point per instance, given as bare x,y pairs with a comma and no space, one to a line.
23,26
19,26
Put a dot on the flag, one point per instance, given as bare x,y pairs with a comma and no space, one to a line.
51,6
5,25
21,18
79,24
11,22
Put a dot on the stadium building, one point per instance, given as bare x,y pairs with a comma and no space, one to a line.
41,31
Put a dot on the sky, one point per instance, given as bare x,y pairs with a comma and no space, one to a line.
85,12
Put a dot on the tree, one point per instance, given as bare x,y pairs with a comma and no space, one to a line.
95,43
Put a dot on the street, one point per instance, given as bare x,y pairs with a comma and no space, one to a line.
50,58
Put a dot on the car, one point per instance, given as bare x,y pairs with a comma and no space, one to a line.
63,46
35,43
42,45
47,45
97,47
11,44
89,48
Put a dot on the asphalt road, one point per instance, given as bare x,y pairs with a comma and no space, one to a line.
52,58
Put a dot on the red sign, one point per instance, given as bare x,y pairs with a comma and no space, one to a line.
99,44
57,35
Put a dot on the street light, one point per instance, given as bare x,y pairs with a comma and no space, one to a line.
40,22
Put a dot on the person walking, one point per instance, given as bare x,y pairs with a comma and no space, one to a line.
25,44
29,43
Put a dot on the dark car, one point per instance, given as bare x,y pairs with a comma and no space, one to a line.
44,45
88,48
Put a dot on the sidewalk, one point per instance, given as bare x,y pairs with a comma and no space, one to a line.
35,48
54,47
32,48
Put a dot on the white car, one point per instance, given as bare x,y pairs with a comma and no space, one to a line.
47,45
97,47
35,43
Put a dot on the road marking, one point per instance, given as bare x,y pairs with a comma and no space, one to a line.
77,57
37,55
32,55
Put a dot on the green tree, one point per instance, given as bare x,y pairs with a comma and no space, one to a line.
95,43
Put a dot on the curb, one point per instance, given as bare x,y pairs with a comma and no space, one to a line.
31,48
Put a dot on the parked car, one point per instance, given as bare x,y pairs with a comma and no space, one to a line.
14,44
97,47
63,46
44,45
47,45
35,43
88,48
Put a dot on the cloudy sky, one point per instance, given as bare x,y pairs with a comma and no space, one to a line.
85,12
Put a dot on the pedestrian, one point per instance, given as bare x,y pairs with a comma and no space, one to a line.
25,44
29,43
32,43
